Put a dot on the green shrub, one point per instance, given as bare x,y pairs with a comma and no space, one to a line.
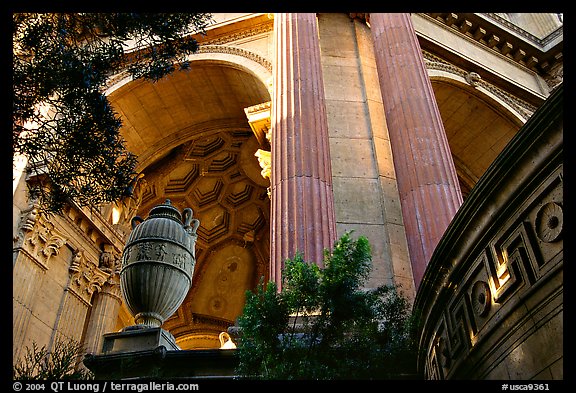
324,325
60,363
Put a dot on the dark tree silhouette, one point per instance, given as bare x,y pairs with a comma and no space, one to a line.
62,122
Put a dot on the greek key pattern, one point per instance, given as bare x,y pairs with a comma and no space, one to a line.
517,257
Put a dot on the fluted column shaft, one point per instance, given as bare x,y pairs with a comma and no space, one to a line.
427,181
105,308
301,180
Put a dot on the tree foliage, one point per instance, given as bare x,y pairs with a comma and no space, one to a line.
60,363
324,325
62,121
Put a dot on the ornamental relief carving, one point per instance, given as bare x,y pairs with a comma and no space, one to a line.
511,263
480,298
233,50
247,33
439,357
167,253
549,222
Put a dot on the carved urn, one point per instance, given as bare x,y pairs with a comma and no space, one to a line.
158,263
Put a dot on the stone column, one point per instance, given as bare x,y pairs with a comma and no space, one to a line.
303,217
105,308
427,182
106,302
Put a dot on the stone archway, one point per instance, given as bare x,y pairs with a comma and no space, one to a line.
477,126
196,148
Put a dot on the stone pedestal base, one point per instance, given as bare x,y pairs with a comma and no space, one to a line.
140,352
136,338
206,364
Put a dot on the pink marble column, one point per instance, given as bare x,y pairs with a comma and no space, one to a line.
427,182
301,179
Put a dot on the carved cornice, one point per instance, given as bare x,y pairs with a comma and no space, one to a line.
92,228
526,35
259,120
517,45
252,31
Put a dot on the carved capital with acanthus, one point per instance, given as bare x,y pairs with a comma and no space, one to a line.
38,238
265,161
86,277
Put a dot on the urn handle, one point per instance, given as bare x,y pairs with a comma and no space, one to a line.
187,216
190,224
135,221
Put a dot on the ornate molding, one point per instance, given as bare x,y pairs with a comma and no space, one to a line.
435,63
234,50
515,45
488,266
260,29
259,119
549,222
206,48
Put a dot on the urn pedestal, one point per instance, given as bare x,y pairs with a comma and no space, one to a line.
157,267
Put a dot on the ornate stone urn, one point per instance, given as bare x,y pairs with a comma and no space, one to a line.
158,264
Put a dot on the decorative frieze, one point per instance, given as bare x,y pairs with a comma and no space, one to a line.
233,50
261,29
503,274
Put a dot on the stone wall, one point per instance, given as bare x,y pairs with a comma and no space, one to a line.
365,192
62,265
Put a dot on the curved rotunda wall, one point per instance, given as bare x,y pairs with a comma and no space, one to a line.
491,300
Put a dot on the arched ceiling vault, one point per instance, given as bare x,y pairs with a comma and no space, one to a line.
477,129
196,148
153,114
